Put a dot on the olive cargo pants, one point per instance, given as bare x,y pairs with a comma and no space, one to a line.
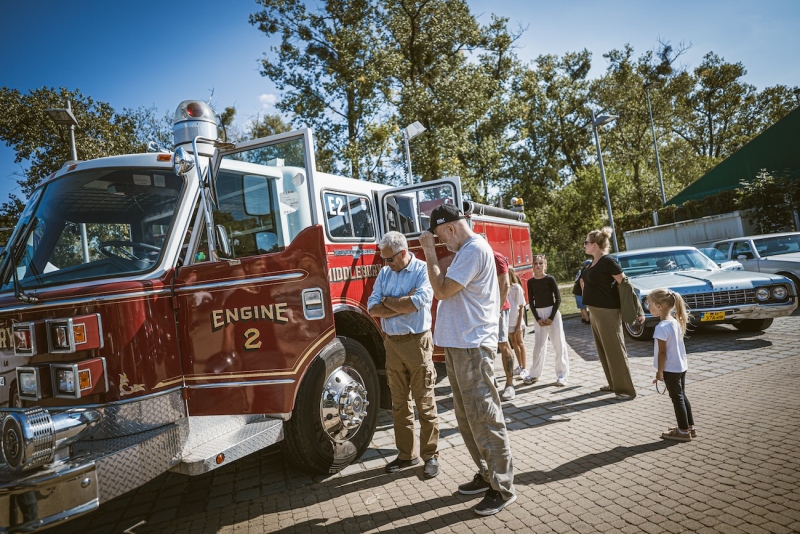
409,370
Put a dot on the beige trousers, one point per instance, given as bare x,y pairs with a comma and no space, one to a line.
409,370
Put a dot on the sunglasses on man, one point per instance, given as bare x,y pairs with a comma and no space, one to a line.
390,259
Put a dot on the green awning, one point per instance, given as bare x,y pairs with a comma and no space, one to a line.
776,149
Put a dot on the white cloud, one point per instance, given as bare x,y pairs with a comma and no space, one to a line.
267,100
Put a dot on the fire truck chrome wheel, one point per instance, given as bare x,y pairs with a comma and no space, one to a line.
332,422
343,406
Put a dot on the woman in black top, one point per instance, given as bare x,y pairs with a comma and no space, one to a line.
601,296
545,299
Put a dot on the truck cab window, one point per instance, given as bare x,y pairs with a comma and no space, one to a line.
409,212
348,216
742,248
262,197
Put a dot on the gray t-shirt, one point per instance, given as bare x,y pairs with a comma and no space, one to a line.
469,318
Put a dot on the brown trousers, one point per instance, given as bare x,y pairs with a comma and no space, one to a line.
410,371
610,343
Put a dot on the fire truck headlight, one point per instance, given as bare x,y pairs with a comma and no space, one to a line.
27,383
66,380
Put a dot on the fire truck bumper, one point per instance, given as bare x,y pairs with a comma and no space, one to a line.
111,467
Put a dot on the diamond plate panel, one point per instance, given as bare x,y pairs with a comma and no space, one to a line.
205,428
139,415
136,460
239,441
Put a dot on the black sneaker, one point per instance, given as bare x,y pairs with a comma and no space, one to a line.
397,464
476,485
493,502
431,468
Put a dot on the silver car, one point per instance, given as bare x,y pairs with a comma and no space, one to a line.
749,301
769,253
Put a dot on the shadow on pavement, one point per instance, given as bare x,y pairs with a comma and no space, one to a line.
588,462
378,519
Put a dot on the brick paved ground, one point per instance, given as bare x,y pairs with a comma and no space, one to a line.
584,463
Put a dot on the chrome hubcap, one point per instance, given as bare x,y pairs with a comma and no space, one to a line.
343,406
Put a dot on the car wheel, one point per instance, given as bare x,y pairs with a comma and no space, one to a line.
639,332
335,414
753,325
794,280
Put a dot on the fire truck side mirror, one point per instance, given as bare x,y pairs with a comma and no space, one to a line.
222,241
182,161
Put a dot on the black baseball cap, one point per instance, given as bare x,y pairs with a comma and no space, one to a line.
444,214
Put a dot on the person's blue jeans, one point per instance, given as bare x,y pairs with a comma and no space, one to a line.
676,385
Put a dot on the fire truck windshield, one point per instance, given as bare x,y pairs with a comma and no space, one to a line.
95,224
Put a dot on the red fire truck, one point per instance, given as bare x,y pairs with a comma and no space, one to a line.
178,311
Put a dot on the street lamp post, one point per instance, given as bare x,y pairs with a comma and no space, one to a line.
64,117
410,132
599,121
655,144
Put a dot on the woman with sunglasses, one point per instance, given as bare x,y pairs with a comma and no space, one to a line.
601,297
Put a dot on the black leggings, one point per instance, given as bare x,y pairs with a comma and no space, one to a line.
676,385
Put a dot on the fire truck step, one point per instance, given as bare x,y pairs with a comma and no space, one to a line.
215,441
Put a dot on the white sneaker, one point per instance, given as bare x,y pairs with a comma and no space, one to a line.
561,382
524,374
508,393
528,379
518,371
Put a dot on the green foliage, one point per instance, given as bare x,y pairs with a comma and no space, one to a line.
101,131
332,69
771,201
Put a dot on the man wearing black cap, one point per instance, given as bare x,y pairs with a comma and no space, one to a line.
466,327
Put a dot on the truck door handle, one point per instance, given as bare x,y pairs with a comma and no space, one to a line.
313,304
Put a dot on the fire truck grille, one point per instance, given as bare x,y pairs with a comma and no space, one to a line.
720,299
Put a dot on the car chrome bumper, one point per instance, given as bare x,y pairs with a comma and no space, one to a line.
739,312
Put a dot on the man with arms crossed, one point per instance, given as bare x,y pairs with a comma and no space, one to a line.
402,298
466,327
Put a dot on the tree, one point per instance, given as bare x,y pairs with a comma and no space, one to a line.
552,122
629,143
449,73
331,65
25,128
771,201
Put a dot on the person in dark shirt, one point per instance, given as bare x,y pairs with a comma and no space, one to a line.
601,296
544,299
577,290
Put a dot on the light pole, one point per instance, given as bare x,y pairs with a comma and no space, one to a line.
655,143
64,117
599,121
410,132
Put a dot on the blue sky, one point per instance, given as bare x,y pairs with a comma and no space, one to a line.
148,53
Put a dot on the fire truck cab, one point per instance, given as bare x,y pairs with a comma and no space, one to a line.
178,311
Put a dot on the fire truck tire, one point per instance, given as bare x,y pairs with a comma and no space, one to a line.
331,424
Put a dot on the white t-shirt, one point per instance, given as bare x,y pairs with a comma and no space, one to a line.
669,330
516,297
469,319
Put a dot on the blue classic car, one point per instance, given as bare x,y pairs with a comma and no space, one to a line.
749,301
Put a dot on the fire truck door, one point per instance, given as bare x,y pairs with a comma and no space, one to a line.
252,321
407,209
